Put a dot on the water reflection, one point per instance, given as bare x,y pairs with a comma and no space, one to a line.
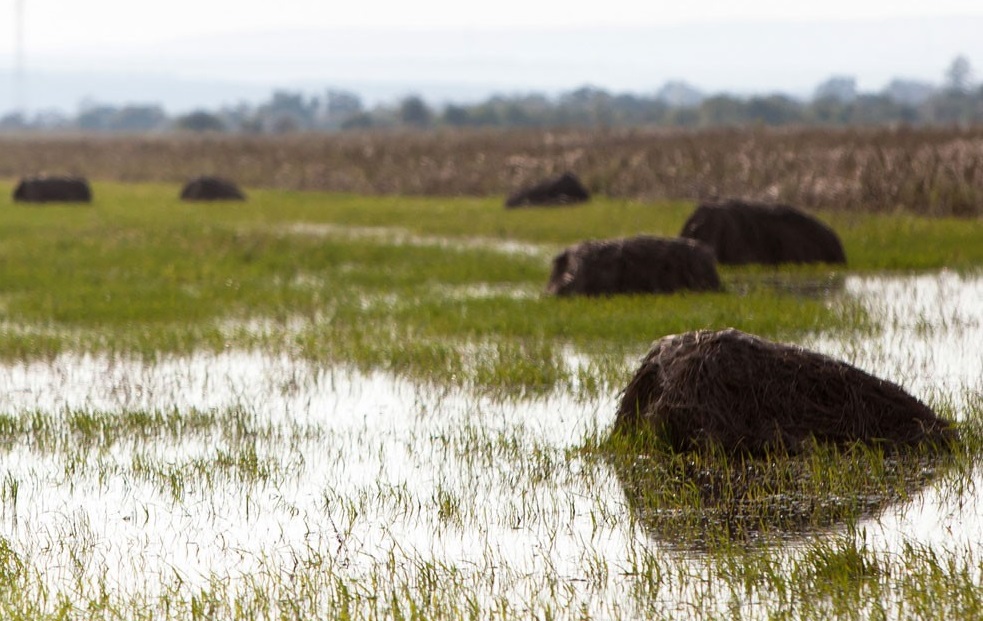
696,501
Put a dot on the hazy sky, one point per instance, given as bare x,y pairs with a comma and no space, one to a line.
57,24
516,45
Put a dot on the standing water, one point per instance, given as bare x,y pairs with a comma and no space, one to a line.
273,484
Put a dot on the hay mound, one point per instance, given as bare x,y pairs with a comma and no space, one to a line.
44,189
641,264
563,190
745,393
741,232
211,189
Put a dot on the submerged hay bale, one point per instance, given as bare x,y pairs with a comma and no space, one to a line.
741,232
641,264
44,189
563,190
745,393
211,189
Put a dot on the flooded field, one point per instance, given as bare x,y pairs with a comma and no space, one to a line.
242,484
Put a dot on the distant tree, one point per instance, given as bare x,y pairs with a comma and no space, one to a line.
200,121
96,117
288,111
284,123
634,110
362,120
13,121
722,110
456,116
136,118
516,115
485,114
773,110
585,96
873,109
683,117
958,75
413,111
828,111
952,106
909,92
341,106
839,88
677,93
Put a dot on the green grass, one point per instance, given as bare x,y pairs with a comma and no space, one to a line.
139,271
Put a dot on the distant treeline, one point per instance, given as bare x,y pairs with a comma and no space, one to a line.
836,102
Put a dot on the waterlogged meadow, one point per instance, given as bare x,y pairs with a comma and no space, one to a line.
329,406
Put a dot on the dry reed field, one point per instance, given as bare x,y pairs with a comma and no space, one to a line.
927,171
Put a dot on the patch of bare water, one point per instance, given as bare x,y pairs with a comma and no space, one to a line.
396,235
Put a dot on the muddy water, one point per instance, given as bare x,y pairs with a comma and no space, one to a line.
376,477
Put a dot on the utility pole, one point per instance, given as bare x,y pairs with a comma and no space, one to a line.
20,95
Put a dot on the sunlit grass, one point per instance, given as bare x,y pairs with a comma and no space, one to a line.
140,271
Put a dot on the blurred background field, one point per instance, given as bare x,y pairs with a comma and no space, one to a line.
926,171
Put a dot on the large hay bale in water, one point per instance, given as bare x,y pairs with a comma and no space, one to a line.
745,393
563,190
641,264
54,189
741,232
211,189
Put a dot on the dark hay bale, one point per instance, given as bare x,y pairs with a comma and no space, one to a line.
641,264
745,393
741,232
211,189
44,189
563,190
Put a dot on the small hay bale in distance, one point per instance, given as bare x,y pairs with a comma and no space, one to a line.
747,394
641,264
742,232
53,189
565,189
211,189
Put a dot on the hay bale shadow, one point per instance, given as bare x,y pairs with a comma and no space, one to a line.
208,188
53,189
698,500
565,189
741,232
641,264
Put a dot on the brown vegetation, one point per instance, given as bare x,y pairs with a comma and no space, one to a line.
641,264
932,171
741,392
740,232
